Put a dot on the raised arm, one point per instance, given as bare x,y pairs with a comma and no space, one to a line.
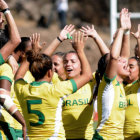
91,32
86,73
36,47
64,34
14,40
137,36
24,67
115,51
125,18
1,21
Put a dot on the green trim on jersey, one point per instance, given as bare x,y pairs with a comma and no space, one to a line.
74,85
97,136
20,79
135,82
38,83
0,136
5,78
1,59
107,79
117,83
8,131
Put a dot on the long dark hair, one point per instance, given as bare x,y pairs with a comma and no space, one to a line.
102,63
23,44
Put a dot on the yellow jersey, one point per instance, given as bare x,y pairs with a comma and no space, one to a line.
111,109
56,78
41,104
77,113
6,73
132,115
28,78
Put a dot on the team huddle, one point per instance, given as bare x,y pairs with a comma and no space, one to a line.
51,96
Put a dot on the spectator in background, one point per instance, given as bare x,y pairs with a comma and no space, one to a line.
62,8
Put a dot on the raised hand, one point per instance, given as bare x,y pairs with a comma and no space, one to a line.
125,21
90,32
35,40
67,32
78,43
24,132
3,5
137,34
1,21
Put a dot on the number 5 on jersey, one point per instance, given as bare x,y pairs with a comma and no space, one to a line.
36,112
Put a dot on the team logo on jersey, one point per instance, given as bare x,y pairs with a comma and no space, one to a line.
76,102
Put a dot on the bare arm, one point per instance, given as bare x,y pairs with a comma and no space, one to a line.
11,108
68,29
86,73
125,51
13,63
14,40
91,32
35,41
5,84
24,67
138,41
114,55
17,115
111,69
137,36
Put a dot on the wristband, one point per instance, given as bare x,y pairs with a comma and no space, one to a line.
8,57
126,32
59,39
68,36
14,111
5,10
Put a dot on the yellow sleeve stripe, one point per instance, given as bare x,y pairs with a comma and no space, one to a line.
1,59
5,78
107,79
74,85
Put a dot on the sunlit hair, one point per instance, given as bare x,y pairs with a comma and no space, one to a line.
39,64
60,54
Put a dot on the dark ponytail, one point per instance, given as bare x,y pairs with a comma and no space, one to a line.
102,63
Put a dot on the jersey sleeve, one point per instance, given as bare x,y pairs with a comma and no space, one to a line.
6,73
18,86
29,77
93,75
55,78
64,88
1,59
